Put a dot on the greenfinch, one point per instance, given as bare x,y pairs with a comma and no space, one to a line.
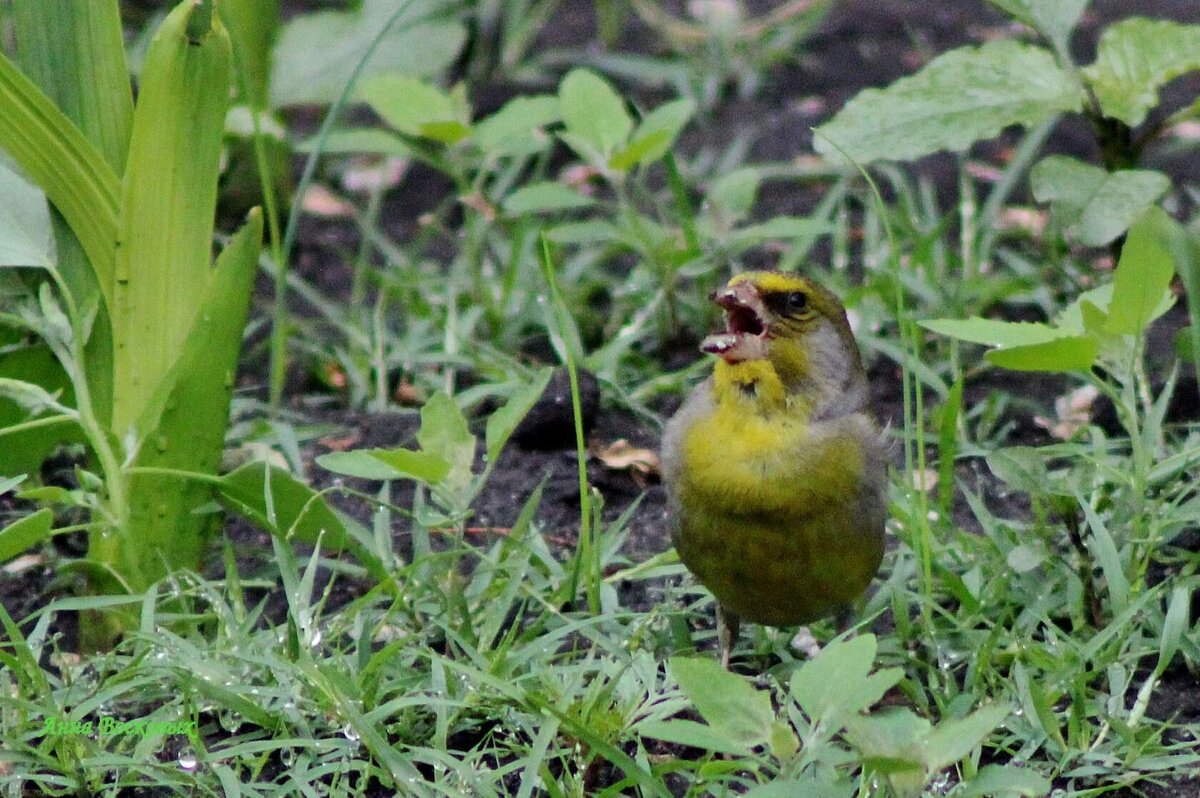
775,469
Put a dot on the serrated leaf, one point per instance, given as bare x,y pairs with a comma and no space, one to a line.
838,680
968,94
1135,58
316,54
26,235
1005,781
952,740
1143,276
1074,353
1097,204
593,112
812,786
545,197
729,703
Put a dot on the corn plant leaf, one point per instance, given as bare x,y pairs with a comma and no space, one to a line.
968,94
1098,206
1135,58
316,54
24,533
169,198
74,50
183,424
53,152
26,234
1143,276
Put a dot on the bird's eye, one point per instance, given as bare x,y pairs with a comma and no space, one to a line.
797,301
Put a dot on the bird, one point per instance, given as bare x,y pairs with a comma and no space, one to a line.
775,469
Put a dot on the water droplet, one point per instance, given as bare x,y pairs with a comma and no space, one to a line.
350,733
316,639
187,759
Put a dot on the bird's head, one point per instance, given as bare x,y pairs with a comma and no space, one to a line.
788,328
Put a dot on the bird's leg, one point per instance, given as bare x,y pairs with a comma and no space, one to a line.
843,618
728,625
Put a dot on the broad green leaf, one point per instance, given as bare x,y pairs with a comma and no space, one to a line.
786,227
384,464
655,135
26,235
517,128
952,740
24,533
417,108
804,787
1077,318
359,140
316,54
1005,781
1054,19
1021,467
732,194
728,702
694,735
1143,276
24,451
544,197
993,332
968,94
1073,353
1135,58
890,740
839,681
594,231
502,422
444,433
284,506
593,112
1098,205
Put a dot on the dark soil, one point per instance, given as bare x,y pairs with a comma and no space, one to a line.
862,43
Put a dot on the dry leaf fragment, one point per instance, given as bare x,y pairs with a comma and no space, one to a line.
320,201
1073,412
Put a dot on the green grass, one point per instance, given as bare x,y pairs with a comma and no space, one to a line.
1026,612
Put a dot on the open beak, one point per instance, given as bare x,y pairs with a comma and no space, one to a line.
745,335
